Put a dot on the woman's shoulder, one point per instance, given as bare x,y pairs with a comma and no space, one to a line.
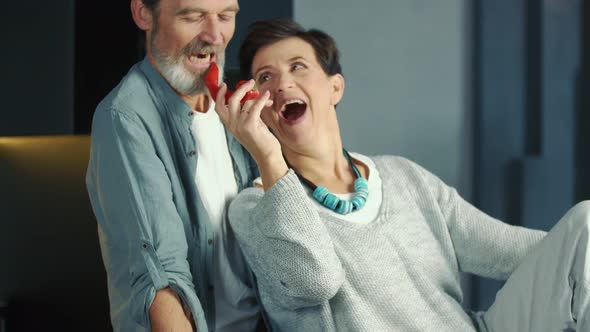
396,164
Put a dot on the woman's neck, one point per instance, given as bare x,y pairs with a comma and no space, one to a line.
323,165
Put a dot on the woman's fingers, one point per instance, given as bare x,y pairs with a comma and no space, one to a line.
258,105
234,100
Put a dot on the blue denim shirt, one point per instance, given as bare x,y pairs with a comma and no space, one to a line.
141,185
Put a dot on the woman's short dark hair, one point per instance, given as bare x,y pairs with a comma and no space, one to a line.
264,33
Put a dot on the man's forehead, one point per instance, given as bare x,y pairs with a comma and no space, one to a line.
201,5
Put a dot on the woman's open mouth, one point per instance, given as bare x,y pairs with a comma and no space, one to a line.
293,110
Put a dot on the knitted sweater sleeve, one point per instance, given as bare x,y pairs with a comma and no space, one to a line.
286,244
483,245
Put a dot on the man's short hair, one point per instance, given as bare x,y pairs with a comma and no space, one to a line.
152,5
266,32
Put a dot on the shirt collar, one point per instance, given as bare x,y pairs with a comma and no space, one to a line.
164,93
175,105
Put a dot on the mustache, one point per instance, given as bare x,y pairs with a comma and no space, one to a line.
199,46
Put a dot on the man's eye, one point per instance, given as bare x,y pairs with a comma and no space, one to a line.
192,19
226,17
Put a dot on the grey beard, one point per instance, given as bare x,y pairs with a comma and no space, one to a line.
181,79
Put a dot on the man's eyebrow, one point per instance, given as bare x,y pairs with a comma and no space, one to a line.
199,10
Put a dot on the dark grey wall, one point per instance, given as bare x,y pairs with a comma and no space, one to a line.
51,271
37,66
250,11
527,66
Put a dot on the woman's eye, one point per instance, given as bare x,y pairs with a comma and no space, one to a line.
296,66
263,78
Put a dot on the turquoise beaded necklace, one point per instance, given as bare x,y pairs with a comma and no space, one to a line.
332,202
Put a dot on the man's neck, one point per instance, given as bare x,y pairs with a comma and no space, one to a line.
199,103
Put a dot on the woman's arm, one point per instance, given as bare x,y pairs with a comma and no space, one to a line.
286,244
483,245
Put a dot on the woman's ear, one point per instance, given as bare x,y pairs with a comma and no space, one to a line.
337,82
141,15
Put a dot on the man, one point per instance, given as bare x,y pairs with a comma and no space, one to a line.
161,172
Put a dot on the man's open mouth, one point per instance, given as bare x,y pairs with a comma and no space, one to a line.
201,58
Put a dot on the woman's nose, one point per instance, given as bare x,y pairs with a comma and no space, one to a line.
284,83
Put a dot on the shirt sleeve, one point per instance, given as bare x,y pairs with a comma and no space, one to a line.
286,244
142,236
483,245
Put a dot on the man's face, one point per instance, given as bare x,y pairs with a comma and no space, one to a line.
186,36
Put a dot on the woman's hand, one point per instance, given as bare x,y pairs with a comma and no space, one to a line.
245,124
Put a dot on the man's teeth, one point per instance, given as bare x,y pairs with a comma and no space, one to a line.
200,58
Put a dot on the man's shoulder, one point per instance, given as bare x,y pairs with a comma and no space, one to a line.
132,94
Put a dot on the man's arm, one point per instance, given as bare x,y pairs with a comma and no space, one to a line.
168,314
143,238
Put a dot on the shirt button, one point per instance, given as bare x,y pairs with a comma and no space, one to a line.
191,113
210,241
192,153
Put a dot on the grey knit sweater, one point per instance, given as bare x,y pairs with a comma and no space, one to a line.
399,272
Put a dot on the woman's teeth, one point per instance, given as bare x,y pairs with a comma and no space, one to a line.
290,102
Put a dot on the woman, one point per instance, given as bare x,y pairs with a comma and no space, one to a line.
346,242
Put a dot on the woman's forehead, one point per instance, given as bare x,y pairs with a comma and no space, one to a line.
283,51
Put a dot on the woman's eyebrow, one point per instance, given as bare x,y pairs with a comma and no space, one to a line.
265,67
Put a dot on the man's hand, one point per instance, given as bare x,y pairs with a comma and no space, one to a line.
167,313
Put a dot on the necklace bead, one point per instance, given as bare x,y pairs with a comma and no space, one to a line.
332,202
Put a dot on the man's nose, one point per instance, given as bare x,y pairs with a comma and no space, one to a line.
211,31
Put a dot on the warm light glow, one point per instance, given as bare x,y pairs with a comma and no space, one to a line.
41,140
50,155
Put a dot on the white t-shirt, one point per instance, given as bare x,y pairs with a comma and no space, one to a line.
371,208
217,186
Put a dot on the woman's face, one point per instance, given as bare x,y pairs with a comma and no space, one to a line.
304,95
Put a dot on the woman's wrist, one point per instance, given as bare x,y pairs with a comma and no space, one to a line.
272,168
